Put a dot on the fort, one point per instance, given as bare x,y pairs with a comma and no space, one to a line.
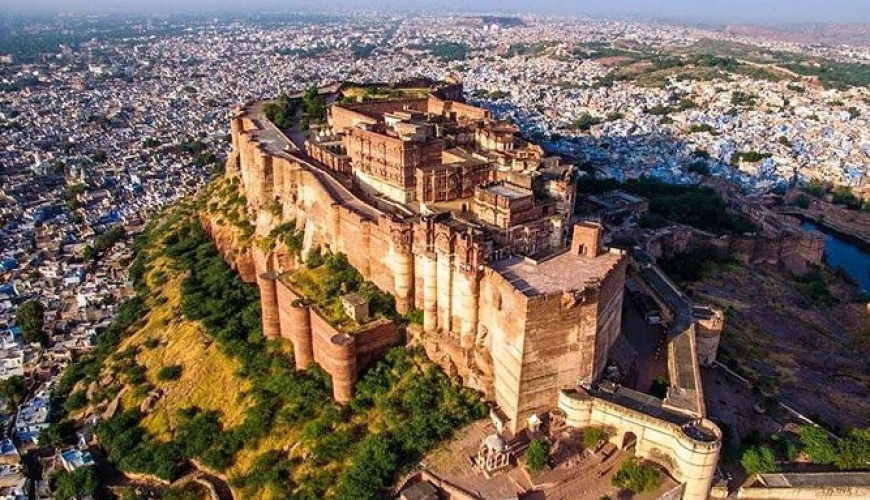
470,227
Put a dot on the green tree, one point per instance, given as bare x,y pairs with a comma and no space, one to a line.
31,318
58,435
759,459
699,167
89,253
314,105
79,483
13,390
585,122
371,469
71,193
686,103
99,156
854,450
189,491
802,201
635,477
817,443
592,436
537,455
167,373
76,400
817,188
197,430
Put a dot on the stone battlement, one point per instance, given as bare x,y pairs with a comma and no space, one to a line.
688,448
341,354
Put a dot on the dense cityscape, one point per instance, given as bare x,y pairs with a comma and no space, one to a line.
108,121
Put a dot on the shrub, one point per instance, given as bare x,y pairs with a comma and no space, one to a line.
414,316
652,221
659,387
314,258
537,455
592,436
854,450
813,285
817,444
759,459
167,373
635,477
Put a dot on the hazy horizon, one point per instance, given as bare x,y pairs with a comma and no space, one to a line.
711,11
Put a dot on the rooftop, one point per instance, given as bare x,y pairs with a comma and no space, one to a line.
561,273
615,200
506,191
812,480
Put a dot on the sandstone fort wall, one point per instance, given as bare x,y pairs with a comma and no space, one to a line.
342,355
795,250
690,458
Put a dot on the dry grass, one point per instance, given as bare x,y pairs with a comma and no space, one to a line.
209,378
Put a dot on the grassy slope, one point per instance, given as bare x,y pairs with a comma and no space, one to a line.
212,379
205,367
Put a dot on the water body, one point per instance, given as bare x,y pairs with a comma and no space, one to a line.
845,254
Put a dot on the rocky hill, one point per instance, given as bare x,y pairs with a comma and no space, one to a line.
187,380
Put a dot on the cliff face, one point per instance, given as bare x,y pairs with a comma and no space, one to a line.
236,251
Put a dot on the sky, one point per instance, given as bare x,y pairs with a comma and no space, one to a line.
713,11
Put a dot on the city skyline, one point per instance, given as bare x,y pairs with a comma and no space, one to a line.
715,11
327,254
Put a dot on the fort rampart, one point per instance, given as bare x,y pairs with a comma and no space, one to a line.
343,355
794,249
688,450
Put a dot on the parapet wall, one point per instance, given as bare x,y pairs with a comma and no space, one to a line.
795,250
342,355
689,451
807,486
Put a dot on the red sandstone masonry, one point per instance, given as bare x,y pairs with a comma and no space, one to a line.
269,305
342,355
